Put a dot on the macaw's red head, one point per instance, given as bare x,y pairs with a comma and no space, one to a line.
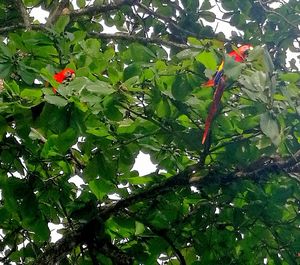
240,54
65,75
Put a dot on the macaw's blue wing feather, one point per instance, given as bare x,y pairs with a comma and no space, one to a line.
218,77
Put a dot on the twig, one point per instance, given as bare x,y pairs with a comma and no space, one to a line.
278,14
122,36
166,19
161,233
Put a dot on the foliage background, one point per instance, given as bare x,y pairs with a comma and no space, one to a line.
234,200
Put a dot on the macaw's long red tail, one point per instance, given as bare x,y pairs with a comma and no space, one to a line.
214,107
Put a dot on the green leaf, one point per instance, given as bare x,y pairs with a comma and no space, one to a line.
5,51
101,187
61,23
232,69
56,100
95,127
208,16
180,88
48,77
66,140
5,70
206,5
131,71
163,108
92,46
139,228
290,77
100,88
208,59
31,93
187,54
270,127
81,3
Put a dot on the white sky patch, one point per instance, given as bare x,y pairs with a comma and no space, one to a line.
220,26
39,14
107,29
78,182
114,197
54,234
194,189
143,164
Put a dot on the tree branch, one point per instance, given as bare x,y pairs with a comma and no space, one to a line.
122,36
168,20
56,12
86,234
278,14
256,171
26,19
97,9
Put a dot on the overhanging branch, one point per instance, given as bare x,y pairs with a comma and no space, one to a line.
26,19
98,9
56,12
122,36
256,171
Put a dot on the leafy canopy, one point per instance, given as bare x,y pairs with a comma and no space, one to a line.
234,200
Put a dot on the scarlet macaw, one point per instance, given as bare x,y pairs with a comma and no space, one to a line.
63,76
219,82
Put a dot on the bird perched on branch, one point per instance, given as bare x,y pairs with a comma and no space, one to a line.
219,82
64,76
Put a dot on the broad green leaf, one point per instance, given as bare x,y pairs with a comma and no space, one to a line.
101,187
270,127
61,23
139,228
206,5
5,51
100,88
163,108
180,88
187,54
5,69
140,180
92,46
31,93
208,59
48,77
56,100
208,16
81,3
131,71
232,69
290,77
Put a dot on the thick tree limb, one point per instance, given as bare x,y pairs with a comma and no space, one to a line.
114,36
256,171
56,12
83,235
122,36
23,11
98,9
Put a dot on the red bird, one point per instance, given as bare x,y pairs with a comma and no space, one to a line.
218,81
63,76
